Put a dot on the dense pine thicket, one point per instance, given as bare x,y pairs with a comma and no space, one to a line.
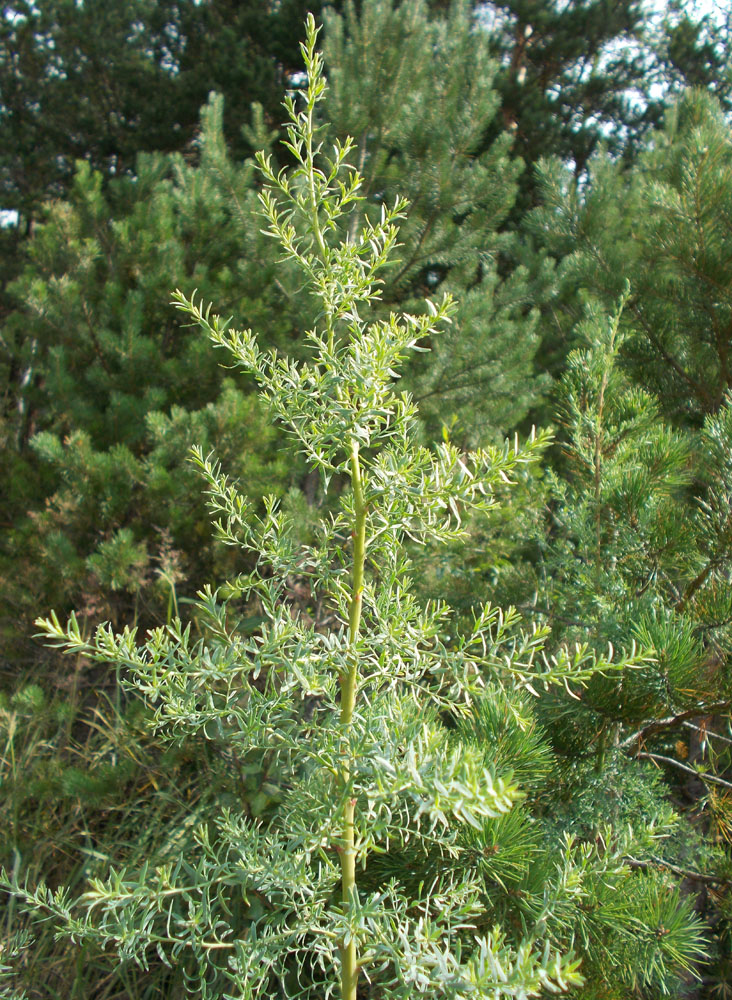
593,293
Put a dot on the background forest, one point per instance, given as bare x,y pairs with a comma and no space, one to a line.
568,171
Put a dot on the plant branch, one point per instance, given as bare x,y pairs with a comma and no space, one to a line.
703,776
655,862
658,725
347,850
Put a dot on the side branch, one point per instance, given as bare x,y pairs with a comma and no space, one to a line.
701,775
658,725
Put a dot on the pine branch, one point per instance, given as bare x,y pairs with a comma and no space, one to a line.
702,775
700,391
699,580
661,864
707,732
658,725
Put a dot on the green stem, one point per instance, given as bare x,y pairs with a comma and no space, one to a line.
315,219
349,678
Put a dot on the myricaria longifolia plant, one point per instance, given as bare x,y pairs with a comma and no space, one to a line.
397,856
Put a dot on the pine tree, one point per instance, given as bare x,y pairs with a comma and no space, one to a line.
426,140
663,226
113,388
692,50
637,546
110,389
377,717
568,78
103,82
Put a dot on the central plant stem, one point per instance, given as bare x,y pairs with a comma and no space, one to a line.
349,966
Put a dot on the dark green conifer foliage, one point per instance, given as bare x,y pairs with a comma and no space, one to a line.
103,81
113,387
692,50
567,76
578,76
638,546
664,226
417,93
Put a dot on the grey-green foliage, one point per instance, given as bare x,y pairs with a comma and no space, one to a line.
322,662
